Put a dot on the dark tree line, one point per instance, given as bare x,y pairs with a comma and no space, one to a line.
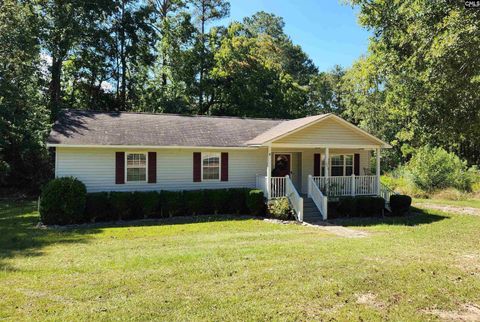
418,84
148,55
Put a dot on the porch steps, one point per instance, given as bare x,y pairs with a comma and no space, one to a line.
310,211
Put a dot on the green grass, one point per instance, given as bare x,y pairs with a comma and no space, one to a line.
243,269
474,203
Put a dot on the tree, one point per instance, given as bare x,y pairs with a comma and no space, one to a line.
206,11
251,79
425,56
325,92
24,120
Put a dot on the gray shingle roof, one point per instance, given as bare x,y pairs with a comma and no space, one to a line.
141,129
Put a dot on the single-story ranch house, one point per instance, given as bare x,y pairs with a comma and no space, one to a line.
307,160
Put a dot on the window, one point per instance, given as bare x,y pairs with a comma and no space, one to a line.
340,165
136,167
336,164
211,166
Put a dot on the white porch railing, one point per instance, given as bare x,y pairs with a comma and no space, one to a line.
347,185
386,193
295,200
278,187
282,187
318,198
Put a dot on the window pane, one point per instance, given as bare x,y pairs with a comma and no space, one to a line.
136,160
212,161
348,170
349,159
210,173
136,174
337,171
337,160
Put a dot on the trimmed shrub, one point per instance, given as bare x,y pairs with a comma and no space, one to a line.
256,202
121,205
62,201
370,206
98,207
347,206
280,209
145,204
237,201
195,202
217,201
400,204
361,206
172,204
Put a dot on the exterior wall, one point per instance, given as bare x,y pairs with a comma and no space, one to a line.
96,168
329,132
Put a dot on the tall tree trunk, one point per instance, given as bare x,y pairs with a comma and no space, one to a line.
123,92
55,85
202,59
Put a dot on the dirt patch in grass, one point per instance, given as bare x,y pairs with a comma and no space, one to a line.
469,263
453,209
370,299
467,313
331,228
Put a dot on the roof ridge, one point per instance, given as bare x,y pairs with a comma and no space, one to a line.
175,114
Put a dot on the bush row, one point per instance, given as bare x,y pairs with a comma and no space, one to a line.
59,205
370,206
104,206
361,206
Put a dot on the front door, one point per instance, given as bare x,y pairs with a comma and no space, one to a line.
282,166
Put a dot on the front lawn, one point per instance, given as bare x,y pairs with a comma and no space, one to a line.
406,269
474,203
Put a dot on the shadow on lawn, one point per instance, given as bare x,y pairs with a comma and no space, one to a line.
417,217
19,235
178,220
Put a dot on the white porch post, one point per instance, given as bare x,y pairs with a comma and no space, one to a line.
327,168
269,172
309,186
377,151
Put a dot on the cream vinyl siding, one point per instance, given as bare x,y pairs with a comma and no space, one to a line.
329,132
96,168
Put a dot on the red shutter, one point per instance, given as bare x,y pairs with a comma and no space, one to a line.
356,164
197,167
317,164
119,167
152,167
224,170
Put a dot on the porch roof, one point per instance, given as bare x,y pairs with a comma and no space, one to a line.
332,131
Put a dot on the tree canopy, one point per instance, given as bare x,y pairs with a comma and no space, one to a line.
418,84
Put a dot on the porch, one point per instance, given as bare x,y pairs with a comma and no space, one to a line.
309,178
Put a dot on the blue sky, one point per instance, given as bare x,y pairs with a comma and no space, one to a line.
326,29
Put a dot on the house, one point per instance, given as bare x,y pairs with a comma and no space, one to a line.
308,159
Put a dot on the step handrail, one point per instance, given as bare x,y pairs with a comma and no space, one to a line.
295,200
386,193
318,198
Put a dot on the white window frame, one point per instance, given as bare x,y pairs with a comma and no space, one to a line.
203,154
344,163
126,167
